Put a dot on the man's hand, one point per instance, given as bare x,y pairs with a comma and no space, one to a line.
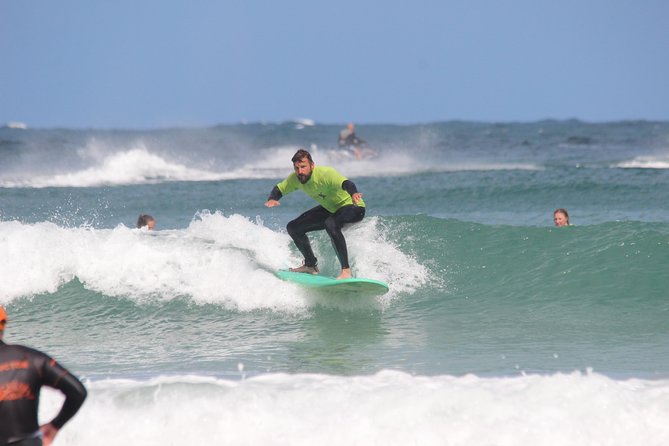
272,203
356,197
48,434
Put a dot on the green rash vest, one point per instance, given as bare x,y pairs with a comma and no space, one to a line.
324,186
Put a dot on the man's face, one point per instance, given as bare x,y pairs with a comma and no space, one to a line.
303,169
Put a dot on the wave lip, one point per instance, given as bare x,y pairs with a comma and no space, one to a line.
223,260
134,166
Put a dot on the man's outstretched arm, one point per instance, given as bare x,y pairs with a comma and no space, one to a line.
274,197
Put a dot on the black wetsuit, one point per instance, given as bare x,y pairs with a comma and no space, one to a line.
319,218
350,139
23,371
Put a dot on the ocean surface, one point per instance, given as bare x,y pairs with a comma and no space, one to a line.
499,329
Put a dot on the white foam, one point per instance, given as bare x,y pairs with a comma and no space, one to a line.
645,162
138,164
389,408
405,163
301,123
133,166
226,260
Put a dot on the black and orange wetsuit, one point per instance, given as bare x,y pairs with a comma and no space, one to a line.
23,371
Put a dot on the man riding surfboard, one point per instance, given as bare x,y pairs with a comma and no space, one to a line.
339,201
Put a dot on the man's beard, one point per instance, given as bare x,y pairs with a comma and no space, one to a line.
303,178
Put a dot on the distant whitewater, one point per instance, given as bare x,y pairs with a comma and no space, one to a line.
646,162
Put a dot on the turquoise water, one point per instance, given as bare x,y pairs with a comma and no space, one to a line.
490,307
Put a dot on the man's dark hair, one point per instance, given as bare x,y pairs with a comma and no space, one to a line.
300,155
144,220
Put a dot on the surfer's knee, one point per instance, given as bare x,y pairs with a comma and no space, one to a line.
292,227
331,226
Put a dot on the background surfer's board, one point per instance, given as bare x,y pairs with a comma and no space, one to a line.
353,285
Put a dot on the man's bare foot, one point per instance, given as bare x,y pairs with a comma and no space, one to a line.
345,274
305,269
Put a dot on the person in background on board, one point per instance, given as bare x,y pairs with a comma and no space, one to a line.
561,217
23,371
349,140
146,220
339,201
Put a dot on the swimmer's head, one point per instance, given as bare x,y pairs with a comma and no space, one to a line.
146,220
561,217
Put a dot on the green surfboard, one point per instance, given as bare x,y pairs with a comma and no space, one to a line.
353,285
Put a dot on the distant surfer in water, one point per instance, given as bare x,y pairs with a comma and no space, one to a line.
339,201
561,217
349,140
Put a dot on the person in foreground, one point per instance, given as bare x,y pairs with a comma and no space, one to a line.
146,220
339,201
561,217
23,371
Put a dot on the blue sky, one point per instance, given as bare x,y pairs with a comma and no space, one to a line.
147,64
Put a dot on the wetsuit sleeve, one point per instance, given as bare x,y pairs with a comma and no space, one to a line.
275,194
75,392
349,187
288,185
